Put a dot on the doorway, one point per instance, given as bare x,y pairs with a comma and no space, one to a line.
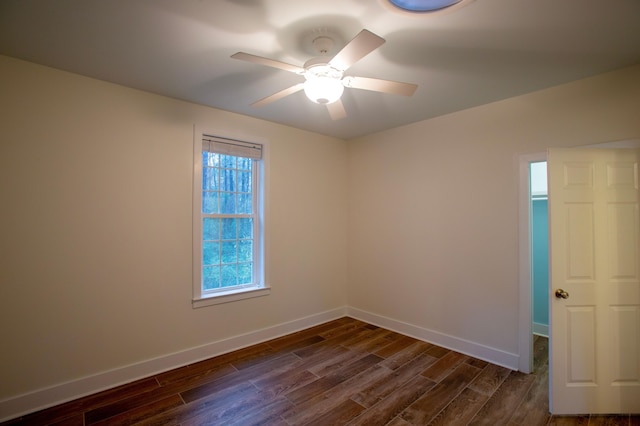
539,208
539,248
529,190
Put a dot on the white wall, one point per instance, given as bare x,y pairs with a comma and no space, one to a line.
433,221
95,187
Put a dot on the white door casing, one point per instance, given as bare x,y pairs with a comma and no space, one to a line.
595,256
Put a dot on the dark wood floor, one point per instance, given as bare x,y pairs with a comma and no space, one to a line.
342,372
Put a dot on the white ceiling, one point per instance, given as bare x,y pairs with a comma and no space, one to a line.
483,52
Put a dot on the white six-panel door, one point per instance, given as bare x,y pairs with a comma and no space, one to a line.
595,257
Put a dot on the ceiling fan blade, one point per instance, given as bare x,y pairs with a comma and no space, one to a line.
378,85
268,62
279,95
336,110
362,44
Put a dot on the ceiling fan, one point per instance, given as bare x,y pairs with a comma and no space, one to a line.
324,76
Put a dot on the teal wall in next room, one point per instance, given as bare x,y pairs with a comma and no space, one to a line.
540,263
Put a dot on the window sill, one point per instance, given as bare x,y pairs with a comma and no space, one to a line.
230,296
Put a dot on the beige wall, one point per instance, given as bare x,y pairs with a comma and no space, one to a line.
433,221
95,187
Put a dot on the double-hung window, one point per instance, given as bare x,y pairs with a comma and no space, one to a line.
228,222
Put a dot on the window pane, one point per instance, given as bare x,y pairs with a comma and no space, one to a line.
210,202
244,181
211,253
229,231
210,179
227,180
229,253
210,229
245,228
210,277
210,159
245,272
227,203
243,205
228,161
244,163
245,250
229,275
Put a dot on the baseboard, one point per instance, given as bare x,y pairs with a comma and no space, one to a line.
476,350
540,329
43,398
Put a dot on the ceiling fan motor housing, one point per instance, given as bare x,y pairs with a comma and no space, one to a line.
323,44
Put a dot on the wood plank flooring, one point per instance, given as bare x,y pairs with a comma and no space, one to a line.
345,372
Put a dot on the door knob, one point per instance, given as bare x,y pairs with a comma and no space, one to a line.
561,294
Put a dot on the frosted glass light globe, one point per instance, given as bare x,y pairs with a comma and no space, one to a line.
322,89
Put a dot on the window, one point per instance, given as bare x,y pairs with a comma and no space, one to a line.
227,222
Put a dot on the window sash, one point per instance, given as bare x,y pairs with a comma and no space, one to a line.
255,278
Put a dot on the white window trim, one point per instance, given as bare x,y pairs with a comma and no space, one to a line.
199,299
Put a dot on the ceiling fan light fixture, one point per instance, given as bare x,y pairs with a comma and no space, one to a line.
323,89
324,83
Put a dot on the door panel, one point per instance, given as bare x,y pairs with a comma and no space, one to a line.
581,343
625,340
580,242
595,256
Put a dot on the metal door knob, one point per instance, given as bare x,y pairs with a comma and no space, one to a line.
561,294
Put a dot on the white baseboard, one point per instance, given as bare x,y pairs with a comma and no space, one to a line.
476,350
47,397
540,329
